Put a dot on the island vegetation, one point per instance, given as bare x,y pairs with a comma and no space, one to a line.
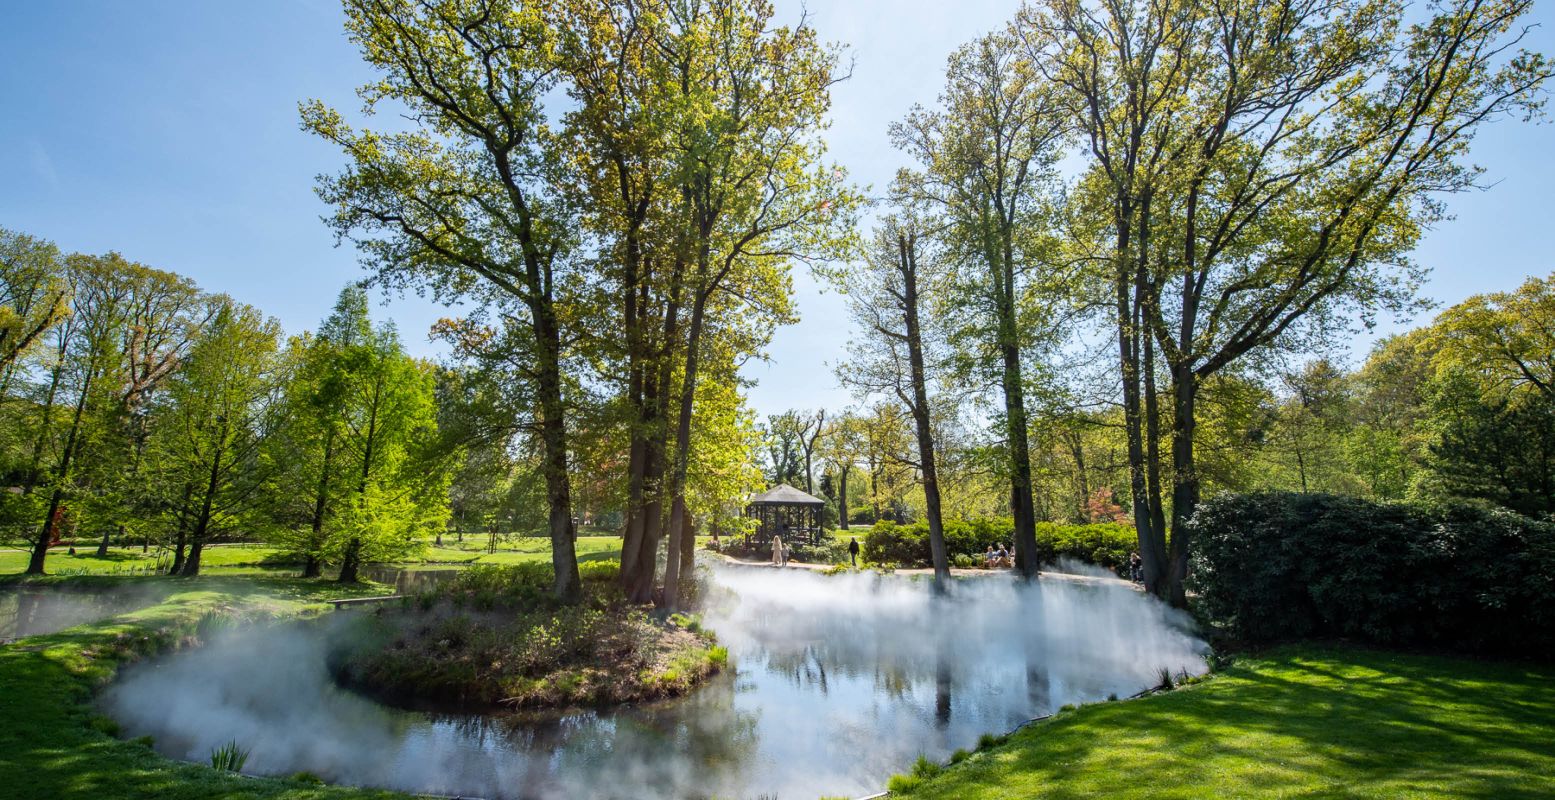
494,637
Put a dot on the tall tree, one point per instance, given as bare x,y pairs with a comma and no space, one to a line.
463,204
215,420
164,312
885,294
986,162
624,187
753,192
307,451
1261,171
90,356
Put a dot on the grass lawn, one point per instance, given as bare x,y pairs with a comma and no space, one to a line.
218,557
244,559
52,744
518,551
1303,722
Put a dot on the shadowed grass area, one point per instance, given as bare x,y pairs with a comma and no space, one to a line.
52,744
1310,722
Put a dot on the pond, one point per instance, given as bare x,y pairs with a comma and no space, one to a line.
836,683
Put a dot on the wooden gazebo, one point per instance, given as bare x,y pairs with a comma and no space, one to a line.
787,512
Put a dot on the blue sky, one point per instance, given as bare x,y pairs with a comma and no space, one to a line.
168,131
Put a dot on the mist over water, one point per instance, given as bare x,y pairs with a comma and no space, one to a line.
835,683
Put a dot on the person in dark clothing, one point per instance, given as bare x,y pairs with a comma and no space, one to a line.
853,550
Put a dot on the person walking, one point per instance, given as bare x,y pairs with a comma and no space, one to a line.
853,550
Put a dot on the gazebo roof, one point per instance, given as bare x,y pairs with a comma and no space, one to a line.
785,495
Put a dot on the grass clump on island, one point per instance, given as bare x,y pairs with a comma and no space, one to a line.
1302,720
494,636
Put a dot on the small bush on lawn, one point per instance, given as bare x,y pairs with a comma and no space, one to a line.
1274,566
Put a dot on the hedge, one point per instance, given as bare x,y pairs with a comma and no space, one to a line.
1276,566
1104,544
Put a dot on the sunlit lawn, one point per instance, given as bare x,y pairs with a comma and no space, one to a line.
240,559
220,558
1301,722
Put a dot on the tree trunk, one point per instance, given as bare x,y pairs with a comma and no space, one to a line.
677,529
567,584
183,530
350,561
908,267
1185,483
842,497
312,565
1022,505
1082,478
1126,281
202,523
40,549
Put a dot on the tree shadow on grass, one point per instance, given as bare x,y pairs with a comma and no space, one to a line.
1324,723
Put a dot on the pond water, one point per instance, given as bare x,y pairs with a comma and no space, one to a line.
836,682
34,611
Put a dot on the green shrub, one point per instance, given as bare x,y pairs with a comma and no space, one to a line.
1103,544
229,757
1274,566
829,551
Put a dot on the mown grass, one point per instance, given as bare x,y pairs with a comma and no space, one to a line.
53,745
255,559
221,558
1302,721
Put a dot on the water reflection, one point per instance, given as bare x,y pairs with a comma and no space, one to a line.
838,682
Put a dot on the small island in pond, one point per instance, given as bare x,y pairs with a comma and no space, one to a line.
495,637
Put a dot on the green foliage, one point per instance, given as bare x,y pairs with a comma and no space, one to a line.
1103,544
922,770
229,757
498,635
1275,566
830,550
